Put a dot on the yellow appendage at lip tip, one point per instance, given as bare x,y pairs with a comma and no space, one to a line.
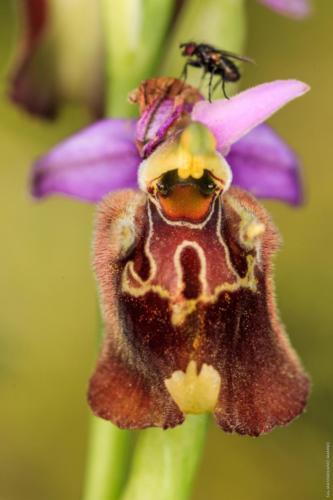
195,392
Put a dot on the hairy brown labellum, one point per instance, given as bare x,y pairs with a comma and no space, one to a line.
190,315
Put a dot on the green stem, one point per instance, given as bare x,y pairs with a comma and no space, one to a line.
165,462
108,455
135,31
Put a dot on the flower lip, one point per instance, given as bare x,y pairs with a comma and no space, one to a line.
189,282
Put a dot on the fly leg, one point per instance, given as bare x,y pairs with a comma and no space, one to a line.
223,82
183,75
210,85
194,64
203,76
223,88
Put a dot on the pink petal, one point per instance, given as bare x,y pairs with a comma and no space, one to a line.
91,163
231,119
297,9
265,165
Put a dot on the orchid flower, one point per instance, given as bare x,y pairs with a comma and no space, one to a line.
105,157
183,267
172,256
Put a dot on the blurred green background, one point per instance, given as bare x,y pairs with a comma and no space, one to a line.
48,311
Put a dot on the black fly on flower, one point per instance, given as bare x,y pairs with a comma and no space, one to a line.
215,62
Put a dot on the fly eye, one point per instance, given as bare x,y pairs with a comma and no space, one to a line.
163,189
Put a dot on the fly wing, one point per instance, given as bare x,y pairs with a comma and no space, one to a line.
122,389
231,55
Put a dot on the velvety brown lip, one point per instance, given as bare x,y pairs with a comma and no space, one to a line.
189,307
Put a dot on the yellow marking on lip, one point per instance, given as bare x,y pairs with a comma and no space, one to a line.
196,343
132,284
195,392
180,311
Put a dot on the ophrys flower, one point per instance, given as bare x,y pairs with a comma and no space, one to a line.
184,264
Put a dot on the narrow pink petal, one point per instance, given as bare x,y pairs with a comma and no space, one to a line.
263,164
90,164
231,119
298,9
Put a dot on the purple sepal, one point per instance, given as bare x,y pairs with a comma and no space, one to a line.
298,9
264,164
93,162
